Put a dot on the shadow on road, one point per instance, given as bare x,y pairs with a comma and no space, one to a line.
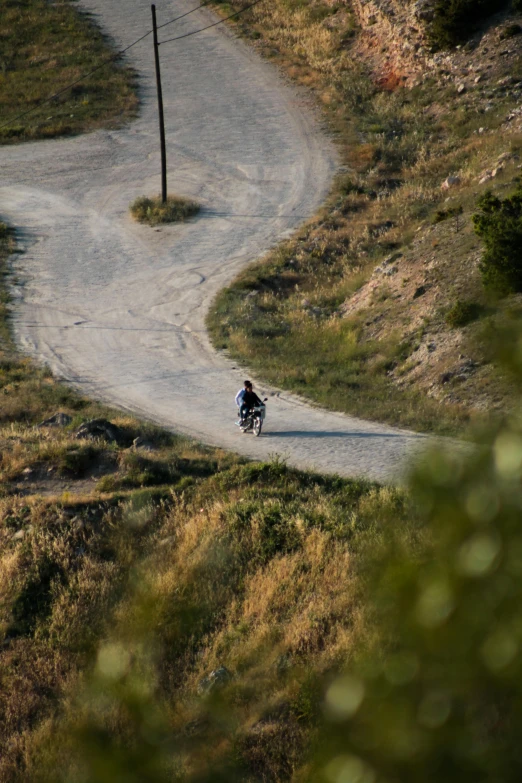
306,434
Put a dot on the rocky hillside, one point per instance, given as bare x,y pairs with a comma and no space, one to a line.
391,266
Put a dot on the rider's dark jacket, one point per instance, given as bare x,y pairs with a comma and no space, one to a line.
250,399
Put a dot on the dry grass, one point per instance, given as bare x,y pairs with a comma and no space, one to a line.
154,212
257,569
43,48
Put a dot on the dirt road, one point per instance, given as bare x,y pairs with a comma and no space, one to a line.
118,309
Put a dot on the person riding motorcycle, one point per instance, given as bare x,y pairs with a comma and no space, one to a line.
246,399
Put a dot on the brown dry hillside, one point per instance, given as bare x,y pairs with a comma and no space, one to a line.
377,307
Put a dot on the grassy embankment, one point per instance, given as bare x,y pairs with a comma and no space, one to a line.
43,48
312,316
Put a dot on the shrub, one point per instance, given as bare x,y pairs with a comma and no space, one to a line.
499,225
463,313
455,20
510,31
444,214
153,211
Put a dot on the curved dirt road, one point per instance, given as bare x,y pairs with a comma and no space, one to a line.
118,309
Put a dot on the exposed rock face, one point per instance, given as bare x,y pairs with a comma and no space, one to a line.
99,428
394,37
450,182
394,40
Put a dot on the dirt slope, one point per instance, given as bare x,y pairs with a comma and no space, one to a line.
118,309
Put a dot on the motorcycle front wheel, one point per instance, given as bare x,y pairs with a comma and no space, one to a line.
258,423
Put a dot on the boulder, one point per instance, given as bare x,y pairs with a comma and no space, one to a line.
214,681
450,182
18,535
57,420
99,428
389,271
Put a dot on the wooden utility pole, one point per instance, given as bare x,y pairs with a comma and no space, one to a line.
160,110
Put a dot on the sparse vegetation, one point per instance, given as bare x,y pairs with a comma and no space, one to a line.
154,212
499,225
44,47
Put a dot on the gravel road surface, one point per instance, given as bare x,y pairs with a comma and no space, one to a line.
118,309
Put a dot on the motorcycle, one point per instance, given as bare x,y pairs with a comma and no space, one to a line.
253,422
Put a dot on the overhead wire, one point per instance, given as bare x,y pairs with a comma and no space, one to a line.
202,29
187,13
109,60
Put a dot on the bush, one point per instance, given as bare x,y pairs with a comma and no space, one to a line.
463,313
451,212
510,31
499,225
153,211
455,20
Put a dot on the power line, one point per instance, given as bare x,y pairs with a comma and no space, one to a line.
195,32
118,54
177,18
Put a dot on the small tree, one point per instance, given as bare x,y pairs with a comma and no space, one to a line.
499,225
455,20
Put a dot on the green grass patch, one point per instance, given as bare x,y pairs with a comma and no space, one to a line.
154,212
43,48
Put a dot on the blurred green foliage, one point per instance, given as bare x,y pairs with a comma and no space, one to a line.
444,702
439,696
